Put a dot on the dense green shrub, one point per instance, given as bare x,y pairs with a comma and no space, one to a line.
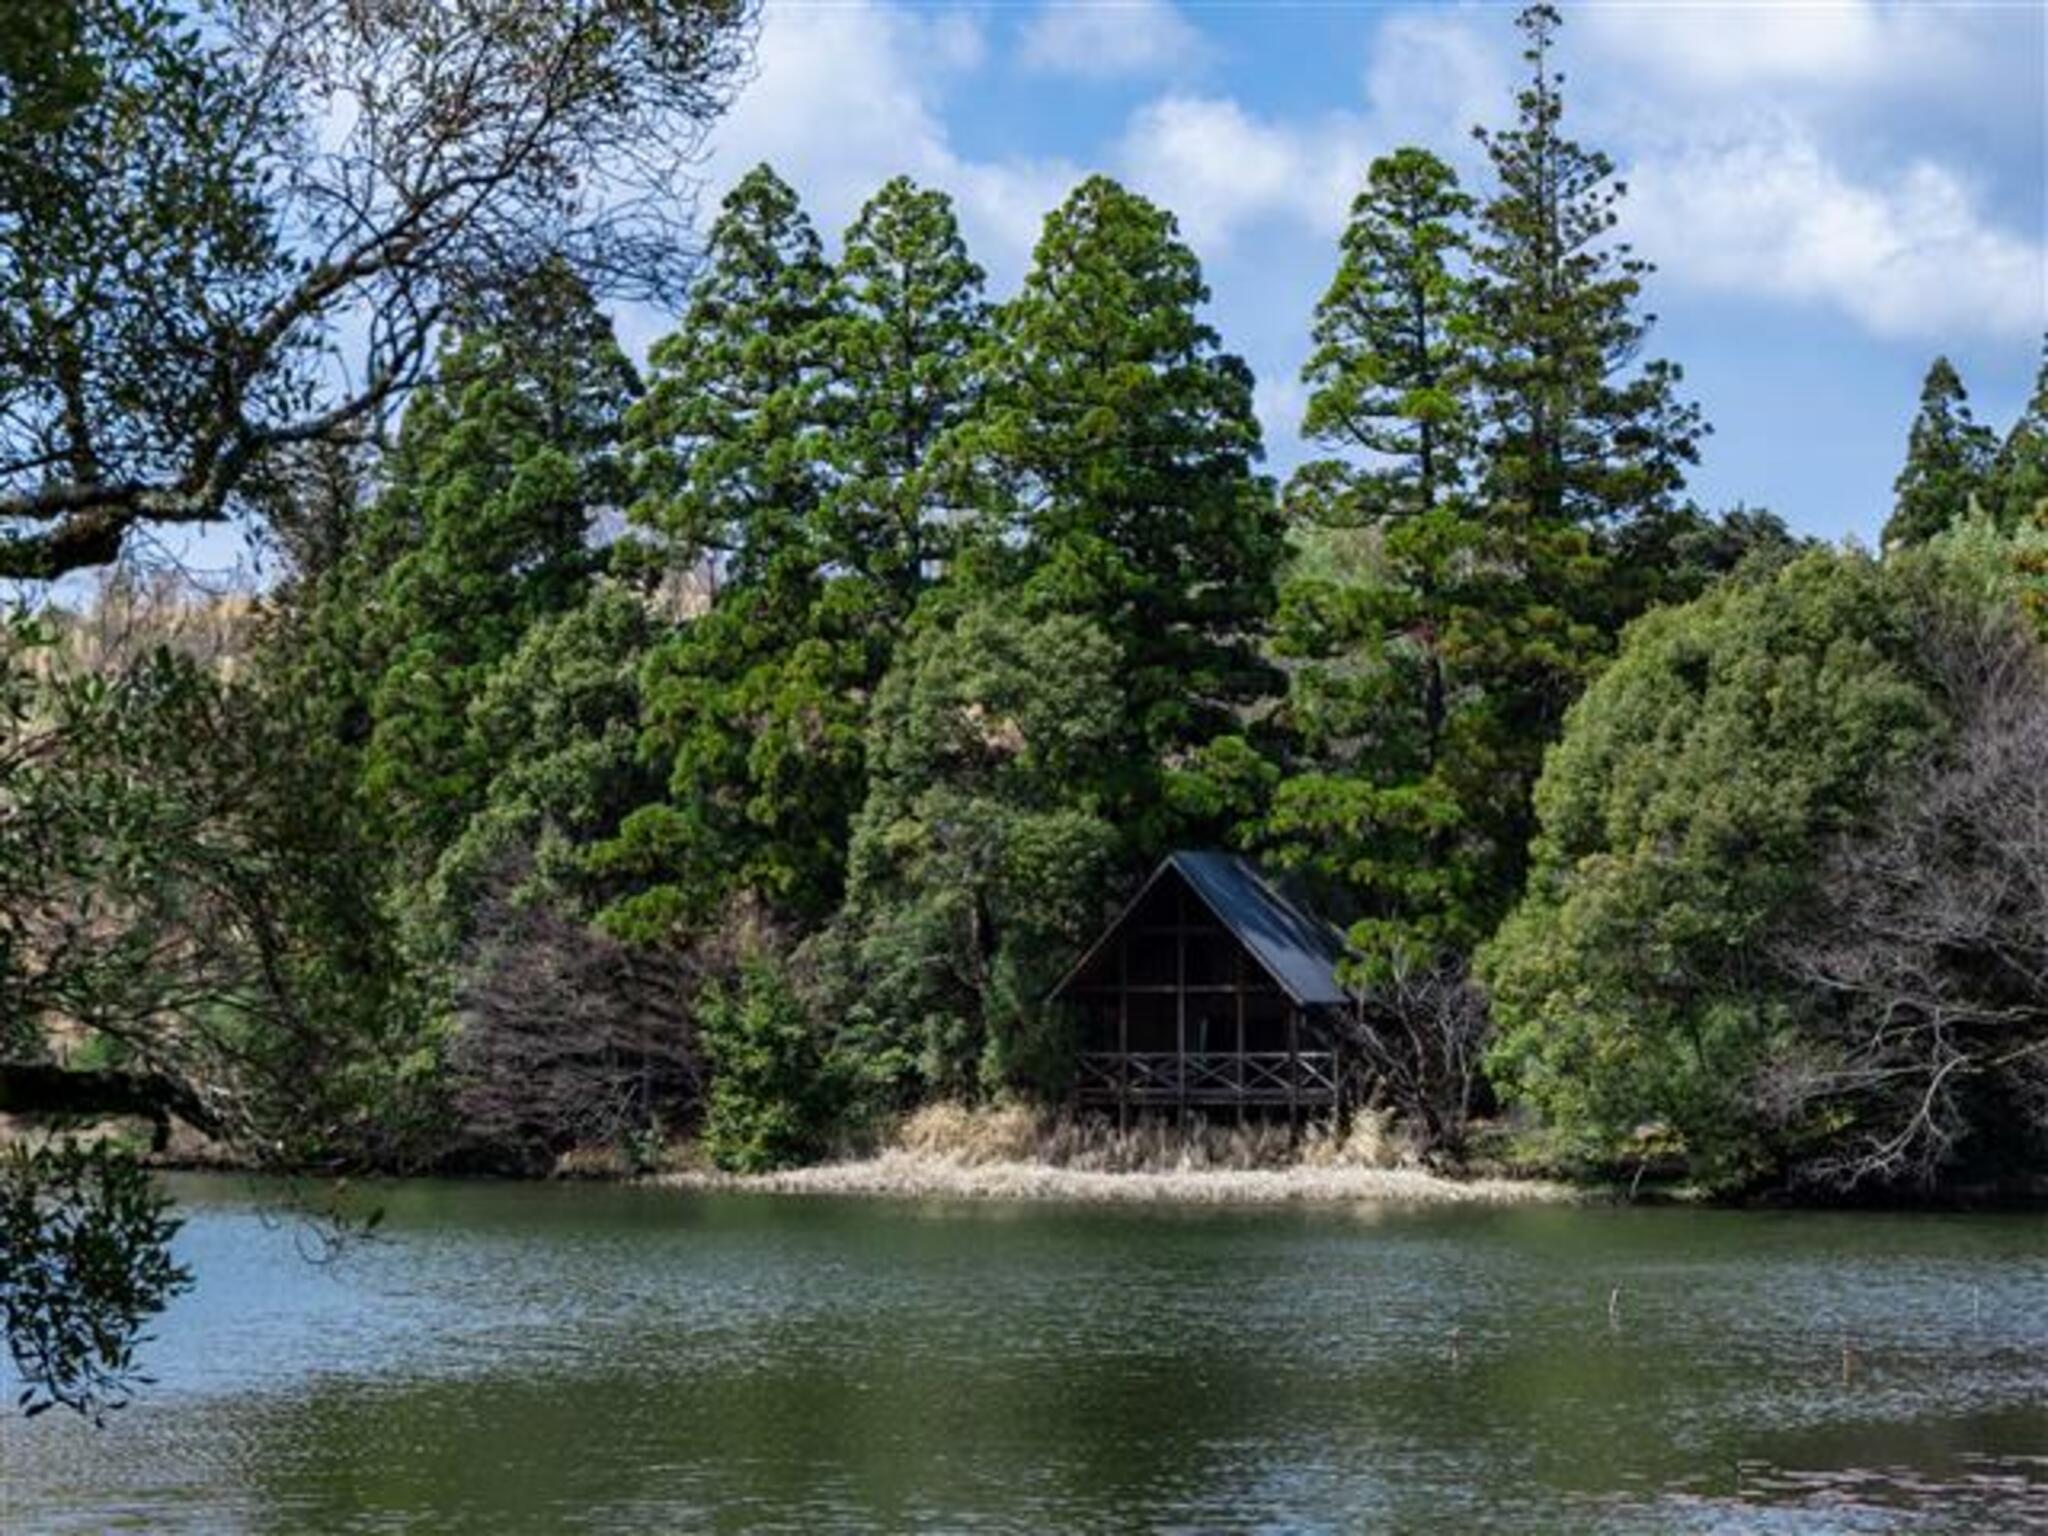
772,1100
1685,816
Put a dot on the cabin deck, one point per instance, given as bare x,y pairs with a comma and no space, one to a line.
1159,1079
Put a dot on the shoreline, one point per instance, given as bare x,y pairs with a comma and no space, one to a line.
905,1175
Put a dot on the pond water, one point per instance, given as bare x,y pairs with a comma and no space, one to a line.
578,1358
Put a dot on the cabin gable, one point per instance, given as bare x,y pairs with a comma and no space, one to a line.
1210,988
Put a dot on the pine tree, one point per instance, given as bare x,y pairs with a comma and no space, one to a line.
1948,461
1578,435
1518,472
900,355
2018,490
1115,458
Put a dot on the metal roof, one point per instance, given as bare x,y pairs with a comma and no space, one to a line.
1296,948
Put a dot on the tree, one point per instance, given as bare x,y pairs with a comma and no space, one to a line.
1948,460
1684,819
752,710
1926,952
980,859
726,443
1577,434
1113,470
2018,481
558,723
484,528
1395,338
232,229
1375,694
181,887
1512,475
900,354
771,1101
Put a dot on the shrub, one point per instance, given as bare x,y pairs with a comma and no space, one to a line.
772,1101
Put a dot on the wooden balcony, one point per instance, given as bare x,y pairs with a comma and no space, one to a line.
1300,1079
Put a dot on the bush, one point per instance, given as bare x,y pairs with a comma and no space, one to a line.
1685,817
773,1101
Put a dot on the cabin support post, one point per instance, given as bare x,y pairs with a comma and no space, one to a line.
1180,1007
1123,1042
1242,981
1294,1074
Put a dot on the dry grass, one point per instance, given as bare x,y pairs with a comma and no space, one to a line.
1013,1153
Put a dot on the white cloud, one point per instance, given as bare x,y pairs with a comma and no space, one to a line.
850,94
1430,77
1768,212
1106,39
1219,168
1838,43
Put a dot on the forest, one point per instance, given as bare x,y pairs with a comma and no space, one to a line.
739,746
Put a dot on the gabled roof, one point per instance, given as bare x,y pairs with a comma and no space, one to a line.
1293,946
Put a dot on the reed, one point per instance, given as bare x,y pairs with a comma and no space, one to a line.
1012,1152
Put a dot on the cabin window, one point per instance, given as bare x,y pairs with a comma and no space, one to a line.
1098,1024
1212,1026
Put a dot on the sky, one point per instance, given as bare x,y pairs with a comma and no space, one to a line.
1833,191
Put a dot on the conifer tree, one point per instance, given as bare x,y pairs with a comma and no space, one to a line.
900,354
481,531
1948,460
1578,435
1377,699
2018,492
1115,458
750,711
725,450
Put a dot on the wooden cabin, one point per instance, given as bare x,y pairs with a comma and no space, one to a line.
1212,990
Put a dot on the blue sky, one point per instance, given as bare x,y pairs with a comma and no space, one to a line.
1833,191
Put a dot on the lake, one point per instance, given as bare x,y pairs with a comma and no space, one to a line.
512,1358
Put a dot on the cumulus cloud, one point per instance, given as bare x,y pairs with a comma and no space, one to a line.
1107,39
1220,168
848,95
1843,43
1769,213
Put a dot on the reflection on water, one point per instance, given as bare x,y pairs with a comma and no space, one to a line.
519,1358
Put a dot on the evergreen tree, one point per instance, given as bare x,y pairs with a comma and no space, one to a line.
753,710
1392,369
979,859
1578,435
725,443
483,529
1382,713
1115,457
2018,492
1948,460
900,354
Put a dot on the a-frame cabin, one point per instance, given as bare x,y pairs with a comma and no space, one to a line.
1213,989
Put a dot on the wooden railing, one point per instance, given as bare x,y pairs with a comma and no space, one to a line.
1210,1077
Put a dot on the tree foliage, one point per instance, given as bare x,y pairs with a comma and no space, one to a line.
198,196
85,1264
980,859
1685,816
1948,460
1113,465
